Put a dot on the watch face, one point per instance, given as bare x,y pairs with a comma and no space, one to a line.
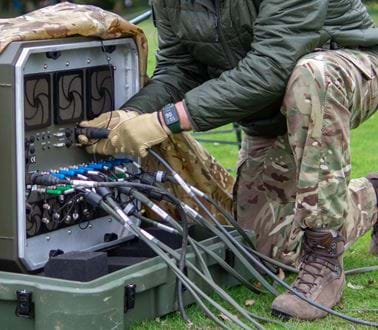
170,115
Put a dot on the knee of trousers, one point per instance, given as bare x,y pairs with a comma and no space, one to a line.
307,85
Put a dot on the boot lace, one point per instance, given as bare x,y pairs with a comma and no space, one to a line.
314,259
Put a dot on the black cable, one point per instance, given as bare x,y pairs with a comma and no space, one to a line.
227,241
193,243
251,248
361,270
182,265
230,219
266,269
171,230
269,273
111,112
184,247
213,255
157,246
114,210
212,284
234,245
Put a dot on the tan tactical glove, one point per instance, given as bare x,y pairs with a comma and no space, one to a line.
136,135
110,120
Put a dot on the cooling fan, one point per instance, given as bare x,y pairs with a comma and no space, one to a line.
69,99
100,84
37,101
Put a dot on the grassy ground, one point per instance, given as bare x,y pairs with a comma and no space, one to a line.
365,160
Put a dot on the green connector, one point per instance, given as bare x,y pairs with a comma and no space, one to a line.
62,189
54,192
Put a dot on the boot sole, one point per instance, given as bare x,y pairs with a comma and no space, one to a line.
287,317
281,315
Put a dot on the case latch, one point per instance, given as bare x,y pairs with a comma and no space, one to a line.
130,292
25,305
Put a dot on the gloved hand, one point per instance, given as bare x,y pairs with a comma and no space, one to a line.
138,134
110,120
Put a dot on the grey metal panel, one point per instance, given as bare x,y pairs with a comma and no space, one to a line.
24,56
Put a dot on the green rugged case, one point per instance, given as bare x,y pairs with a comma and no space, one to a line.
102,303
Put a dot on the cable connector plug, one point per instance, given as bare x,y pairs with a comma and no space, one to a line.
104,192
84,184
93,199
43,180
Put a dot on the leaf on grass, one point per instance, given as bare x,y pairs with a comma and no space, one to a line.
281,274
223,317
249,302
354,287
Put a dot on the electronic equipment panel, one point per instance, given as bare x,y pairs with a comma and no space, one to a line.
55,85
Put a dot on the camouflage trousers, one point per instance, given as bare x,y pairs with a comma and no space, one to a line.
302,179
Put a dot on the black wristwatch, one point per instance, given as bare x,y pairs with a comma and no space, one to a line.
171,118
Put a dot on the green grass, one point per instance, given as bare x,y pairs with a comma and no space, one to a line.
364,160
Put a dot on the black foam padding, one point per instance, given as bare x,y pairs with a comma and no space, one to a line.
137,248
138,251
174,241
78,266
117,263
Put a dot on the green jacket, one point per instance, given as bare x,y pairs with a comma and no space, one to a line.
230,60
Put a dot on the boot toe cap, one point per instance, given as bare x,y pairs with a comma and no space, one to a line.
289,306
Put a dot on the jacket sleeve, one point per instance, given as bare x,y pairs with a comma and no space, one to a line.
285,30
176,72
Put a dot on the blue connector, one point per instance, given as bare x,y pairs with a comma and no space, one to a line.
88,168
109,165
69,173
97,166
79,170
58,175
118,162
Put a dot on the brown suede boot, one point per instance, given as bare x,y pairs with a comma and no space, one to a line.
374,240
373,178
321,277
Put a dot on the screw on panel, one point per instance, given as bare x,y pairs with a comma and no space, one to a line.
68,63
89,60
48,238
45,66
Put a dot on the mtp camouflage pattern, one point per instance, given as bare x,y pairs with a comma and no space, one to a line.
197,167
67,20
302,179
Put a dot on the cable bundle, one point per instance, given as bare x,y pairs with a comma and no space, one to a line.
149,188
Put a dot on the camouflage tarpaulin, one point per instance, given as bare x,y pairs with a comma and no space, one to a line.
191,160
66,20
184,153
